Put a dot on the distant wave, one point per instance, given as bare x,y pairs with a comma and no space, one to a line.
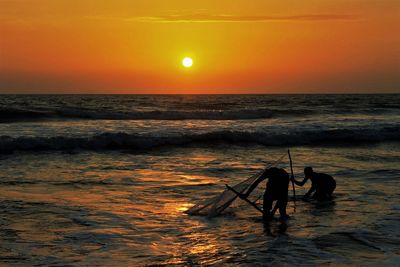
112,141
15,115
18,115
11,115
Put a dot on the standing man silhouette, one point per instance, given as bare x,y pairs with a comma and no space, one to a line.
276,189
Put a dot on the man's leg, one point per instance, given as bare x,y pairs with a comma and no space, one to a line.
322,195
331,189
282,204
267,206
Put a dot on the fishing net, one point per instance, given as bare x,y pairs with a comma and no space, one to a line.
216,205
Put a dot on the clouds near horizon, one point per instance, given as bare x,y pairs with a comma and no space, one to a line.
236,18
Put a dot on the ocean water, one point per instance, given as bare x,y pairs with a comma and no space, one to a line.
90,180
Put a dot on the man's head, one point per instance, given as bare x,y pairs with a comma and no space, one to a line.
308,171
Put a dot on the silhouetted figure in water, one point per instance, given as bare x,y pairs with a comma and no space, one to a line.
277,189
323,184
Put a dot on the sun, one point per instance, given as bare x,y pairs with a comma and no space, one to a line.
187,62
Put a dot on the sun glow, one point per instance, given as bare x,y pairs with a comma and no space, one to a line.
187,62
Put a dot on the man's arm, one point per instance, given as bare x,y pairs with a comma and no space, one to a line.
299,183
254,185
307,195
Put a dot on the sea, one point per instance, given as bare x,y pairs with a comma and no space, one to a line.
105,180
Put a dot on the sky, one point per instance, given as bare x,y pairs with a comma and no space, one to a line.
237,46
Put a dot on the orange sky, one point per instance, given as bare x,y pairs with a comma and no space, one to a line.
238,46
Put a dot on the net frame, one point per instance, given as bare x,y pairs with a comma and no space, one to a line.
216,205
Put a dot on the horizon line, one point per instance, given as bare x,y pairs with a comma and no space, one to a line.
171,94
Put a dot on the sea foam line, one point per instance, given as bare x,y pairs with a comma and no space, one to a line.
113,141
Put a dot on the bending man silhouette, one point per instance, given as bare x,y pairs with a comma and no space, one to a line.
276,189
323,184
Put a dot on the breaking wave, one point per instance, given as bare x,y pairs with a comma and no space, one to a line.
115,141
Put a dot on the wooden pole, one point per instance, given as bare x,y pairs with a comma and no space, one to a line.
291,169
251,203
245,199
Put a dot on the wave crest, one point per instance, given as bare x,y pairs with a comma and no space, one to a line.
115,141
17,115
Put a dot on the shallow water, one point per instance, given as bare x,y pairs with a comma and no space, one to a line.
105,180
116,208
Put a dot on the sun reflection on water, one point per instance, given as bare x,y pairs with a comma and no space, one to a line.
129,208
